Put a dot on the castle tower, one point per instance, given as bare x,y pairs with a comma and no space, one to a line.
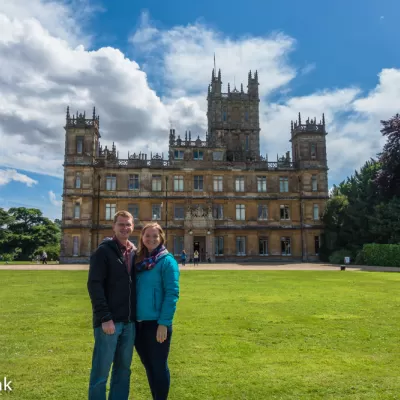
233,118
81,148
309,143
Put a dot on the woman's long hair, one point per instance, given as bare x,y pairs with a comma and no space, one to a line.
142,249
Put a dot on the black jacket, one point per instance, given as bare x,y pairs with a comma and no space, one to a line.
112,290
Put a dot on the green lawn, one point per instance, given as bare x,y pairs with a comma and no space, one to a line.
237,335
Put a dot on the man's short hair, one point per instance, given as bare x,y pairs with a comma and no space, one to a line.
123,213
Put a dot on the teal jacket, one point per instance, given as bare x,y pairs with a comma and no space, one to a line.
157,291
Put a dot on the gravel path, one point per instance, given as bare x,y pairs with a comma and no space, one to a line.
219,266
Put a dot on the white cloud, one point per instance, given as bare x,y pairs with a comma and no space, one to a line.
53,199
8,175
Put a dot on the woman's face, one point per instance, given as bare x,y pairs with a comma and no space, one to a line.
151,238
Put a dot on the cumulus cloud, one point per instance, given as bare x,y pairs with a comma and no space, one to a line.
53,199
42,74
8,175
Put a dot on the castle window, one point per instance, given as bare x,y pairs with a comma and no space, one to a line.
286,246
262,212
314,183
316,212
198,182
156,183
239,184
79,144
178,245
217,155
78,180
219,245
240,212
283,184
133,182
111,209
263,246
247,143
262,183
156,212
77,210
218,211
218,184
313,151
284,212
178,183
246,115
111,182
240,246
75,246
134,210
178,154
179,212
223,115
197,155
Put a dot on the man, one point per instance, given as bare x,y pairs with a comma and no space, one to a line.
112,289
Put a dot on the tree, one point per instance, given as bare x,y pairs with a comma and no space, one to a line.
27,229
388,178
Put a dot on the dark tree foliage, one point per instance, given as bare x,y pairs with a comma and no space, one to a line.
388,178
365,208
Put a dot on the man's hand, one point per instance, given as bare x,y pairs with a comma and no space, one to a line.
161,333
108,327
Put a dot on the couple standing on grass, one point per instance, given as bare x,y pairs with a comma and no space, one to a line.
134,296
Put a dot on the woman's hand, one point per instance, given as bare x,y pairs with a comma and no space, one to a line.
161,333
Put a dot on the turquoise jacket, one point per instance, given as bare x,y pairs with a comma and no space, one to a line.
157,291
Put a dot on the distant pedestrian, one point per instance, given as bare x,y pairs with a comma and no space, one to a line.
44,257
196,258
183,258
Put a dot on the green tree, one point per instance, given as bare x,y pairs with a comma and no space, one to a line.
28,230
388,178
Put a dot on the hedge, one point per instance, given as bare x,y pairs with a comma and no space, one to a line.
384,255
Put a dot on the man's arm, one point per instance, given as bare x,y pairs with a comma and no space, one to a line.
96,285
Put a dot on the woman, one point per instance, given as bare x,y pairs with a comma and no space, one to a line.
183,258
157,286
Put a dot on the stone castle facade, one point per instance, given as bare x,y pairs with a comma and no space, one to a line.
218,196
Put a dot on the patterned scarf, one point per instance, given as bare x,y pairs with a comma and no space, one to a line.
151,260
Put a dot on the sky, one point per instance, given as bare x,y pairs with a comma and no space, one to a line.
147,67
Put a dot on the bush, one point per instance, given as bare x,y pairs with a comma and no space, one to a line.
337,257
53,252
384,255
7,257
360,260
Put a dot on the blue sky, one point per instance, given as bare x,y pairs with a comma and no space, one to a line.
147,66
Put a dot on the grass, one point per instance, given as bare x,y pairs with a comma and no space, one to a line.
237,335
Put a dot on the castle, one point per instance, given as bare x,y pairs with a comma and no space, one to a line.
218,196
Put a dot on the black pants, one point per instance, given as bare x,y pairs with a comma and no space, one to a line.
154,357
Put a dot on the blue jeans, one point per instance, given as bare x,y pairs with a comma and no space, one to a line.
116,349
154,357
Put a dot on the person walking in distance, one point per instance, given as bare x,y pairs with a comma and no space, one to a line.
112,289
196,258
157,286
183,258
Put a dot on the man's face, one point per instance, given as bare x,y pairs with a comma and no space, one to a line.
122,228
